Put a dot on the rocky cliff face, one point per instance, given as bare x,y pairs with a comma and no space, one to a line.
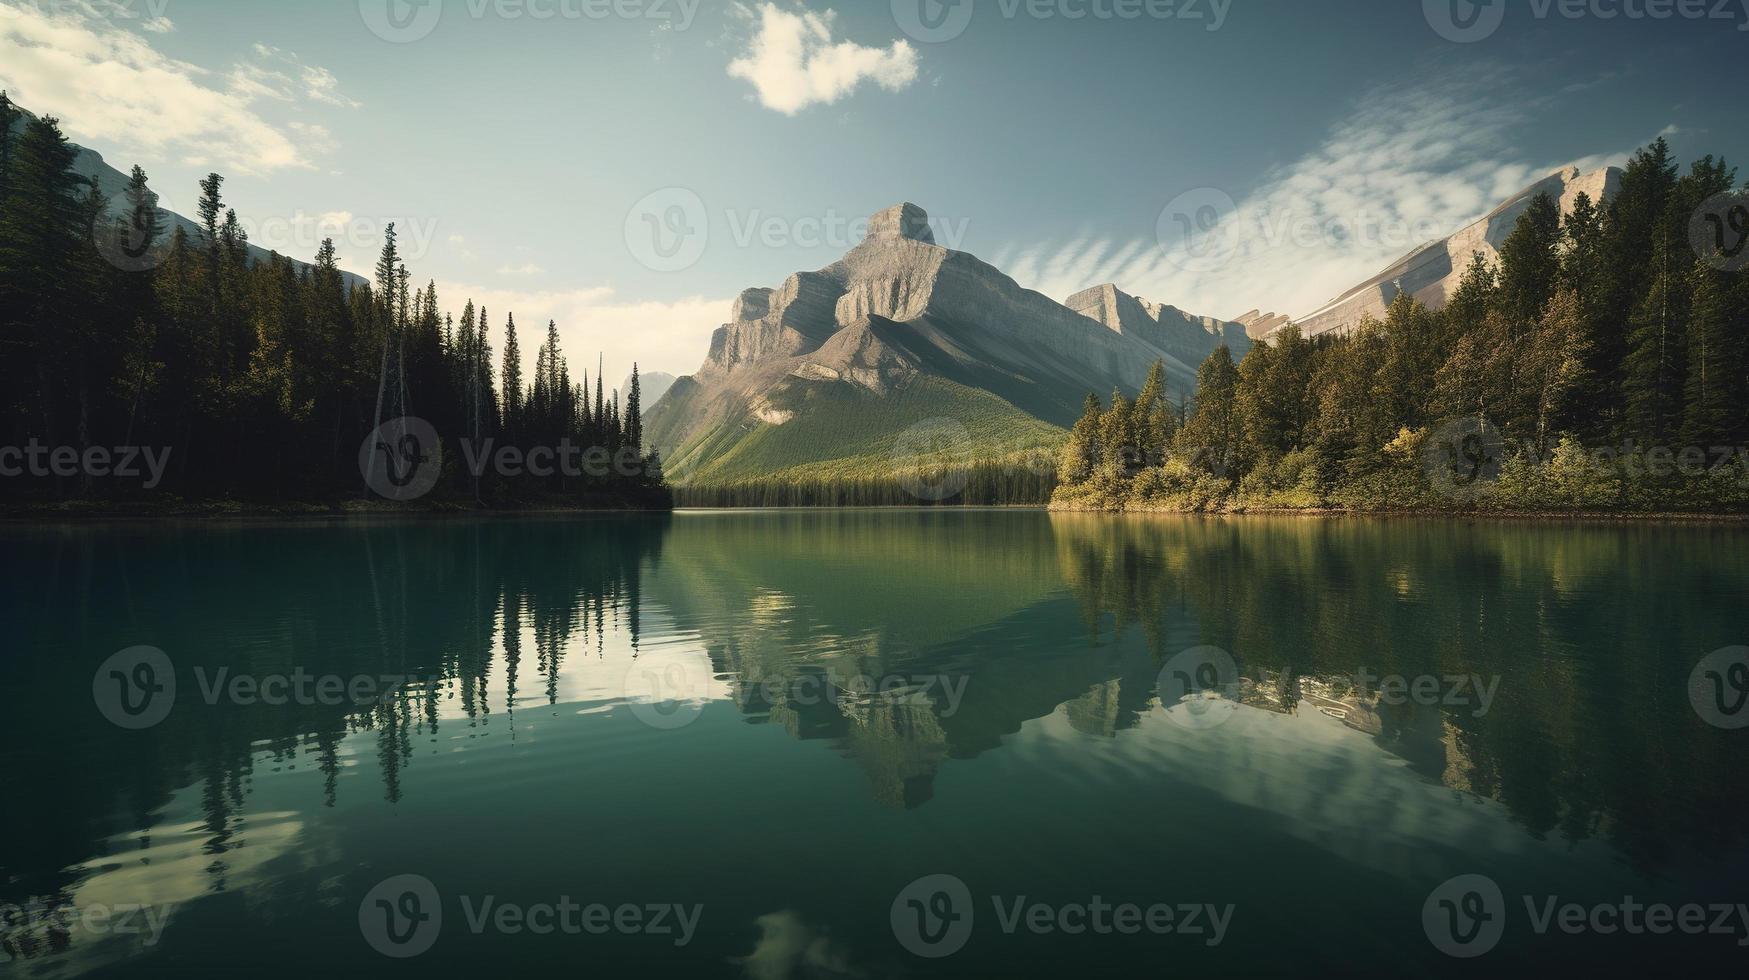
1185,338
898,306
1259,324
1432,272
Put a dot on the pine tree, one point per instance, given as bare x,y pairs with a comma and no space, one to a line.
388,276
1210,437
635,414
40,241
1553,369
1080,456
209,208
1471,301
1714,408
1120,456
600,407
1635,252
512,370
1414,350
1656,359
1530,261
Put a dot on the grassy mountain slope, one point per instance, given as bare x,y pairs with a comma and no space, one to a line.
841,432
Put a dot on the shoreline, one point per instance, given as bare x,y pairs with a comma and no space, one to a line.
1551,516
217,512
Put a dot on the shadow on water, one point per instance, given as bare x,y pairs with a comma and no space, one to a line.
430,618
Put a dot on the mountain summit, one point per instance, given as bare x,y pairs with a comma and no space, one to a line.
816,378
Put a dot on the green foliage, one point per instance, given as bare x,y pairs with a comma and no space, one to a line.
1595,345
262,377
931,441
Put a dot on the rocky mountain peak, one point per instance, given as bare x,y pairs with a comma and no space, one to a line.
901,221
752,304
905,328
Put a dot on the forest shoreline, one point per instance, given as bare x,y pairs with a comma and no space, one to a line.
184,511
81,512
1546,516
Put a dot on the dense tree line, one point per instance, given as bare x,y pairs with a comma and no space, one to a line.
972,484
1602,363
261,377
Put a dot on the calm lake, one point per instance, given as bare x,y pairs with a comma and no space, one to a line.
872,743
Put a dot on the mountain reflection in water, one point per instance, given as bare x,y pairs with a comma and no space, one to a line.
1002,664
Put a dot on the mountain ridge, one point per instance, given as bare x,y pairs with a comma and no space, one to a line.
1431,272
898,308
113,183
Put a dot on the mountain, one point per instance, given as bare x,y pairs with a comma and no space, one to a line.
113,183
1432,272
652,385
818,378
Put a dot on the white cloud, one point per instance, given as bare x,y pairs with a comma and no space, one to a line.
313,82
659,336
250,81
321,85
792,61
108,83
1406,167
525,269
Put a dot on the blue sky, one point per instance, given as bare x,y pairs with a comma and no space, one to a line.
524,147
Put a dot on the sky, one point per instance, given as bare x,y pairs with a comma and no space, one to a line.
626,167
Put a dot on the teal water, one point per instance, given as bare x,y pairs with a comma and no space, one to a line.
780,721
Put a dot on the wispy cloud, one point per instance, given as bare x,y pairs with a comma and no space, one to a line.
793,62
320,85
108,83
1405,167
281,74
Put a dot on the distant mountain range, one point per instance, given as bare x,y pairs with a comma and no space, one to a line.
820,375
113,183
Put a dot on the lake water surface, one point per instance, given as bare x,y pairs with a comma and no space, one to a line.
869,743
